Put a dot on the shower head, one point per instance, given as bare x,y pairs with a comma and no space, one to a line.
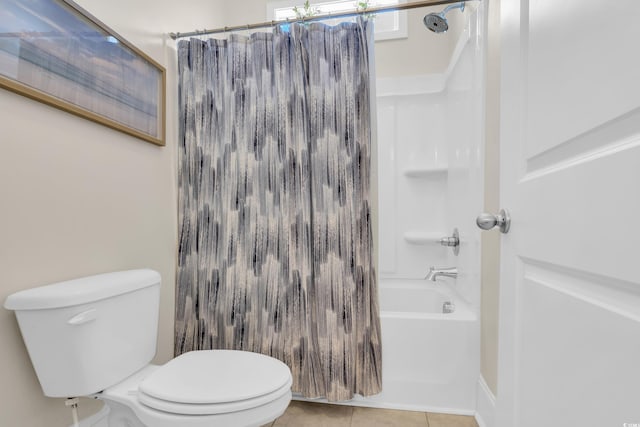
437,22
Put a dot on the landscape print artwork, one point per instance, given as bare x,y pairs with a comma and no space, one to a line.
55,52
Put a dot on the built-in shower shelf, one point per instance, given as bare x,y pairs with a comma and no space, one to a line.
423,237
425,172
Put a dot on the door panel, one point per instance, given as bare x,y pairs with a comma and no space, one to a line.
570,175
581,56
582,213
573,348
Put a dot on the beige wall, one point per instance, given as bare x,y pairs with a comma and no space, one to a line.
79,199
423,52
491,240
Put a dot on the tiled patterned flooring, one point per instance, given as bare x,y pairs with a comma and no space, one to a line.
306,414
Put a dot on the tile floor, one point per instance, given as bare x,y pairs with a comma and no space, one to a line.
307,414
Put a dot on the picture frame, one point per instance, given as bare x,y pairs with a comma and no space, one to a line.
55,52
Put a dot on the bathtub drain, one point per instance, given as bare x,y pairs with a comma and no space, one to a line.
448,307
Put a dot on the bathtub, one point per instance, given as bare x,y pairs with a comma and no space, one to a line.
430,357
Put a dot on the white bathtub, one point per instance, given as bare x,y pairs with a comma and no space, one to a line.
430,358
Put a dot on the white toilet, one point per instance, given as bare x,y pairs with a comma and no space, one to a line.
95,337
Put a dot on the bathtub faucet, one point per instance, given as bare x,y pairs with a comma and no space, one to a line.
434,273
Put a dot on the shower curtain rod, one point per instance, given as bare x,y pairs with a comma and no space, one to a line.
267,24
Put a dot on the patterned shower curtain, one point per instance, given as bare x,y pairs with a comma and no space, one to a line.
275,242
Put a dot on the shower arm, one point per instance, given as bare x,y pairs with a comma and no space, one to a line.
451,7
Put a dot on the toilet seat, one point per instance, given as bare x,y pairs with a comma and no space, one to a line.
209,382
211,409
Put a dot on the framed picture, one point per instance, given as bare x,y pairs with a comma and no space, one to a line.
55,52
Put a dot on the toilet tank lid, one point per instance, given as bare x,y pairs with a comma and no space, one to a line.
82,290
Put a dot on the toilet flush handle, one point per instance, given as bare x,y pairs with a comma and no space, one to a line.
84,317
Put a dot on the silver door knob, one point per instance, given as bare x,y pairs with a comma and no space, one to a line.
487,221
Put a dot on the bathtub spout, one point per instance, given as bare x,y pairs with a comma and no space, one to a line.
434,273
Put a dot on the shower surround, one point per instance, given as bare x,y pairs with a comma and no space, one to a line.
430,180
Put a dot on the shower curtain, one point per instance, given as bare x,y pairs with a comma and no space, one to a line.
275,240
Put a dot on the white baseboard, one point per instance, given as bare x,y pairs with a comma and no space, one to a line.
96,420
486,405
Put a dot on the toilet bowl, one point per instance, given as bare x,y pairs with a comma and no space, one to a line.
202,388
95,337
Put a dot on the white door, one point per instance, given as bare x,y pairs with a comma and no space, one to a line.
570,282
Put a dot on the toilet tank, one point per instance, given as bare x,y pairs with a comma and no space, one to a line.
87,334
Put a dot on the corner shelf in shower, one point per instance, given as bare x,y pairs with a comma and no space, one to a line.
423,237
425,172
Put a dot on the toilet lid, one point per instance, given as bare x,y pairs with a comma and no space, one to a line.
206,380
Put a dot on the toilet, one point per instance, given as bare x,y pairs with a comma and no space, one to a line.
95,337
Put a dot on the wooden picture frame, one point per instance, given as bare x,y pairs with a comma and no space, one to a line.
55,52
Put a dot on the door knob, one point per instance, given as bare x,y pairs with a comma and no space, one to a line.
487,221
